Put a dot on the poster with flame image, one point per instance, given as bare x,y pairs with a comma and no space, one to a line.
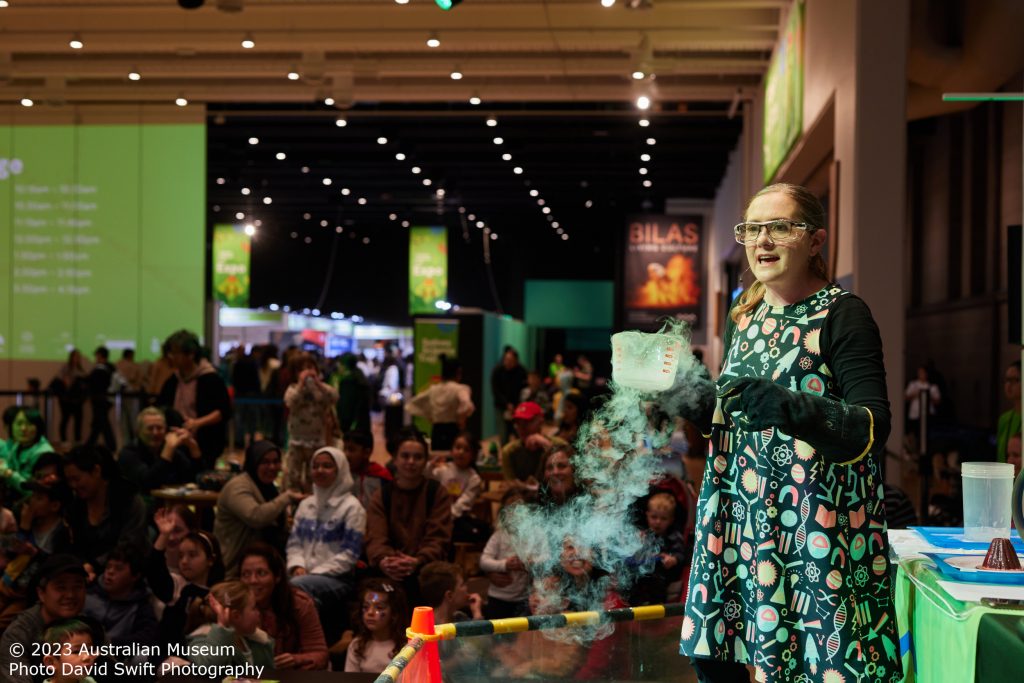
663,274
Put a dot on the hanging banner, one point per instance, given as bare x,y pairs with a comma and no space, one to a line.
784,94
428,269
663,270
231,250
431,338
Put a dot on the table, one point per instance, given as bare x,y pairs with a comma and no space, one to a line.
180,496
1000,647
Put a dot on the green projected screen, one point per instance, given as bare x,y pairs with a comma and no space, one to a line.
101,237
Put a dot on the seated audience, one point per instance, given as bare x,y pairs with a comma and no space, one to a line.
286,613
509,581
159,458
367,476
662,584
184,521
463,483
120,601
559,475
327,538
380,618
60,588
536,392
70,651
521,458
574,414
443,587
231,633
409,522
106,509
250,508
28,442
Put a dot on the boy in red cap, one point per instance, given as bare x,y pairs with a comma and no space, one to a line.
521,458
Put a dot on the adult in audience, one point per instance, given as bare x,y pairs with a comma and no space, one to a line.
245,380
1010,421
98,382
60,587
507,379
287,614
574,413
28,442
198,394
106,508
327,535
354,395
71,390
409,522
521,459
157,457
559,482
250,507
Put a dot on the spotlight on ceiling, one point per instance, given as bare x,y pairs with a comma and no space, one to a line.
447,5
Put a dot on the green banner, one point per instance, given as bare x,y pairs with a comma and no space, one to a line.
431,338
784,94
231,249
428,269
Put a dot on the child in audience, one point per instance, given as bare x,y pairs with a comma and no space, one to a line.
380,618
231,619
199,565
443,587
536,654
120,601
460,478
664,583
185,521
70,642
509,581
367,476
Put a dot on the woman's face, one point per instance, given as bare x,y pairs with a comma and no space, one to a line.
780,265
324,470
410,460
85,484
376,612
269,467
24,432
193,562
558,475
256,574
462,455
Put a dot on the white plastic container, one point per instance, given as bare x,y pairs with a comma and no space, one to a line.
647,362
987,487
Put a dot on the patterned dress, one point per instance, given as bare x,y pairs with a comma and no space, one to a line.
791,573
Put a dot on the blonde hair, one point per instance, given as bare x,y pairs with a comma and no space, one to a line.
662,502
810,211
233,595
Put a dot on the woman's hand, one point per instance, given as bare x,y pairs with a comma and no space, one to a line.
285,660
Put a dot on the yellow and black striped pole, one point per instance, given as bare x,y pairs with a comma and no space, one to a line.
540,622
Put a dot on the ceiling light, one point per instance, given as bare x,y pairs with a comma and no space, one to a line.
338,229
506,156
639,75
366,240
480,224
647,183
402,2
345,191
250,230
607,3
382,140
327,181
293,75
405,224
427,181
248,43
456,75
268,200
559,231
433,41
643,102
643,171
494,235
329,101
644,123
281,156
181,102
323,224
307,215
471,217
499,141
308,240
240,216
134,76
474,100
555,224
340,122
540,202
27,102
361,201
293,236
257,222
400,156
588,203
246,191
3,4
76,42
518,170
305,169
565,236
645,157
440,192
651,141
546,209
220,181
393,216
491,121
534,193
254,141
416,169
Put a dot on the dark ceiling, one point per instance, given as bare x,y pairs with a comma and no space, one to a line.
572,155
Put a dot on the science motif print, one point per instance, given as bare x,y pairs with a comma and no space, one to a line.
790,572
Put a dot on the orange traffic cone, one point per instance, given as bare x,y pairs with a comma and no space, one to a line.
425,667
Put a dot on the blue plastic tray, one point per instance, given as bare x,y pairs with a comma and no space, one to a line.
953,537
957,574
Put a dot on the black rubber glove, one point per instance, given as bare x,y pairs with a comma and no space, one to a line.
839,432
690,398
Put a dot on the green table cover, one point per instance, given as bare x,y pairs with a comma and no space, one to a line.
1001,647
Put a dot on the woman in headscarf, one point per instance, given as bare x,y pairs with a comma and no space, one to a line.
250,507
327,536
